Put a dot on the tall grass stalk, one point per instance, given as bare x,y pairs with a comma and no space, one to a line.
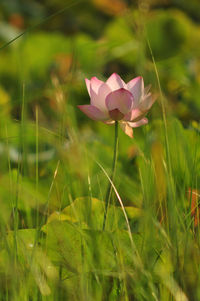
36,164
109,190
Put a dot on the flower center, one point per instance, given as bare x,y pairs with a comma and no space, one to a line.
116,114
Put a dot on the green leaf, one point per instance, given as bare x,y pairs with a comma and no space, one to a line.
89,213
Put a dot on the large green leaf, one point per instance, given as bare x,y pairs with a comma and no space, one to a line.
89,213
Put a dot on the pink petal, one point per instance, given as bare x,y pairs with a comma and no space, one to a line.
127,129
134,115
98,99
93,112
120,99
115,82
136,87
146,89
147,102
109,122
138,123
87,81
95,84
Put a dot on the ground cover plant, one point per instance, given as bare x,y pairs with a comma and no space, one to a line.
89,211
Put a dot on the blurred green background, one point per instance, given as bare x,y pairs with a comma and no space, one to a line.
71,40
61,44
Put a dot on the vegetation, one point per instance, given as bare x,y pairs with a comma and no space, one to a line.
56,163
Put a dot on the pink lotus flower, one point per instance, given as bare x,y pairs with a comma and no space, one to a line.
115,100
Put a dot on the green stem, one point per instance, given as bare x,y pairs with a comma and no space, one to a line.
109,190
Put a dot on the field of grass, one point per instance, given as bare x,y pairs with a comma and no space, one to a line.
56,164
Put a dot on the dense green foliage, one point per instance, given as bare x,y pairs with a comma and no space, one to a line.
55,161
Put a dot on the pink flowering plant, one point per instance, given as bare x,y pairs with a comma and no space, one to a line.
115,102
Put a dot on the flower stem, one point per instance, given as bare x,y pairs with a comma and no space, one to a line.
109,190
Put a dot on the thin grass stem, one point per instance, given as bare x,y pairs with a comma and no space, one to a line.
109,190
36,165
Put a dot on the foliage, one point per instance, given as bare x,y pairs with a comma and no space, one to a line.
52,186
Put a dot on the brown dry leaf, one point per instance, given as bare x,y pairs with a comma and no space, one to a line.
114,7
64,63
133,151
157,156
193,195
17,21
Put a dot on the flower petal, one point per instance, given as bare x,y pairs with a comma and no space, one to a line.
134,115
138,123
95,84
115,82
147,102
87,81
109,122
93,112
127,129
120,99
98,100
146,89
136,87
